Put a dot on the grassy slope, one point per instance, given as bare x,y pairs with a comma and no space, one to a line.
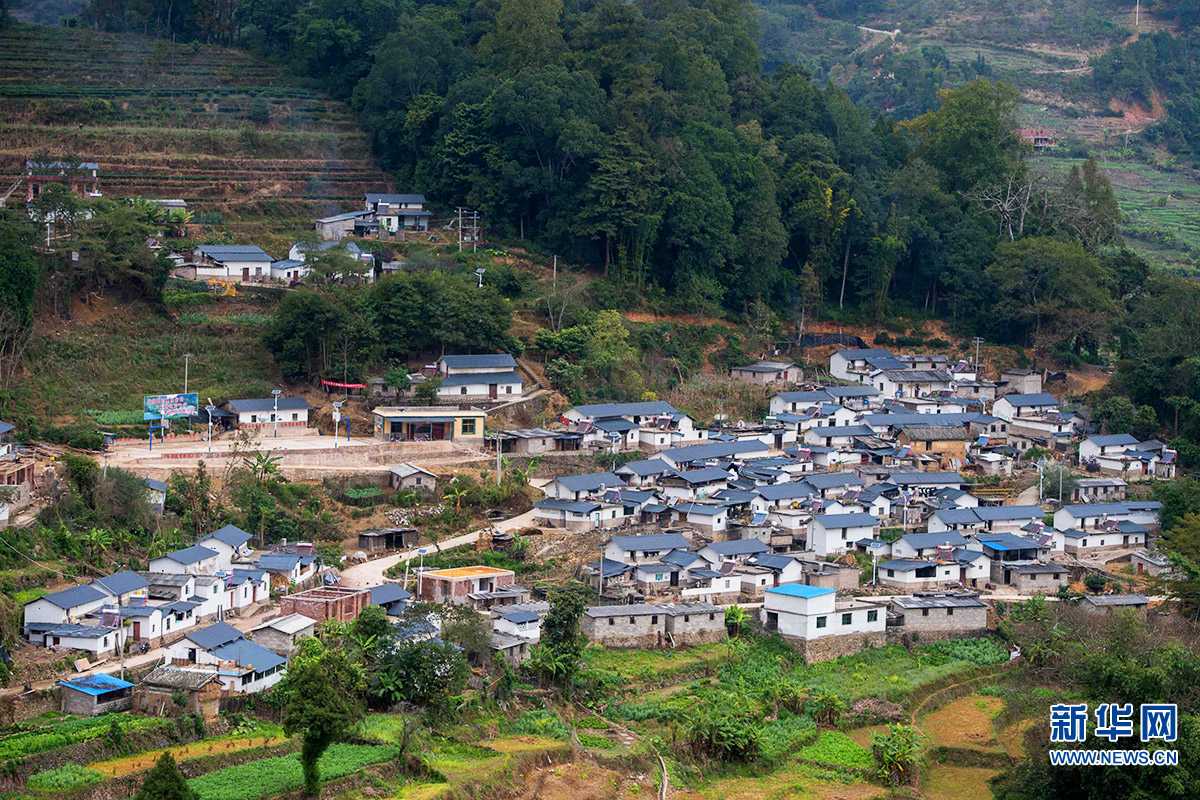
110,356
179,124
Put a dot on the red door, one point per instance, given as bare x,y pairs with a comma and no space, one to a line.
137,629
492,390
246,274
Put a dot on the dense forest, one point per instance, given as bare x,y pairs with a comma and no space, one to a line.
647,139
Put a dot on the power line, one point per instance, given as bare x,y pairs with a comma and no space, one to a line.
30,560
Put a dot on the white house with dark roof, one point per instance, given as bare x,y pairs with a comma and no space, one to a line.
262,412
927,545
657,425
575,515
580,487
63,607
853,365
194,560
1096,516
241,665
227,543
1011,406
840,436
247,587
296,267
122,586
991,519
693,484
643,473
833,534
766,372
1115,535
644,549
738,550
396,212
238,262
708,517
490,375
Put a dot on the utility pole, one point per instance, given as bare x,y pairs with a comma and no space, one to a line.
555,271
600,597
186,358
275,416
499,465
978,340
474,231
1137,13
460,229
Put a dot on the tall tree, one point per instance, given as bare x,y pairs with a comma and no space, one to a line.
320,694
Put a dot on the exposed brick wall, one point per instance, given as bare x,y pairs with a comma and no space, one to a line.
322,605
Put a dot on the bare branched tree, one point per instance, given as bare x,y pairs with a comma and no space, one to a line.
1011,200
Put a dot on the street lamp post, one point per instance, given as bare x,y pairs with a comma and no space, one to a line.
479,272
275,416
186,358
210,408
337,417
420,569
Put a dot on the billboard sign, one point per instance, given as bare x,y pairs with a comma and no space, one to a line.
164,406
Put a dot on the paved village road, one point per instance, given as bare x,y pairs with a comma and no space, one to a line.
372,573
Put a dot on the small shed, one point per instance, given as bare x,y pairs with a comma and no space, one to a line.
383,539
155,696
1103,603
282,634
93,695
410,476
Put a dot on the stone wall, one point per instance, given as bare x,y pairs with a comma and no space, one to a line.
645,631
827,648
899,635
18,708
697,628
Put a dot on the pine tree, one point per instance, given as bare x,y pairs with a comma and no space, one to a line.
164,782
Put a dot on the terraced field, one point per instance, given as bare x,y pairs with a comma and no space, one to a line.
1158,207
211,125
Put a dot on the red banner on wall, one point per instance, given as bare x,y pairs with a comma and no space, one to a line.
337,385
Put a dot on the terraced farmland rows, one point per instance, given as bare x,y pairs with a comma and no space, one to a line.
208,124
1158,208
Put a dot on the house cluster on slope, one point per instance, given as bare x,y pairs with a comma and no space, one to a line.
383,216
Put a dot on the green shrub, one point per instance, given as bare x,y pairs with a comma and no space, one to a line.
539,723
594,723
61,779
835,747
596,741
976,651
64,734
782,737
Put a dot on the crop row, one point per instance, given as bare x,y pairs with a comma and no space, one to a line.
43,90
272,776
65,734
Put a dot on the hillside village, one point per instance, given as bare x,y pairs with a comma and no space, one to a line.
837,518
701,401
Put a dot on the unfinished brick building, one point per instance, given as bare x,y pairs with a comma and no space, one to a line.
326,603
